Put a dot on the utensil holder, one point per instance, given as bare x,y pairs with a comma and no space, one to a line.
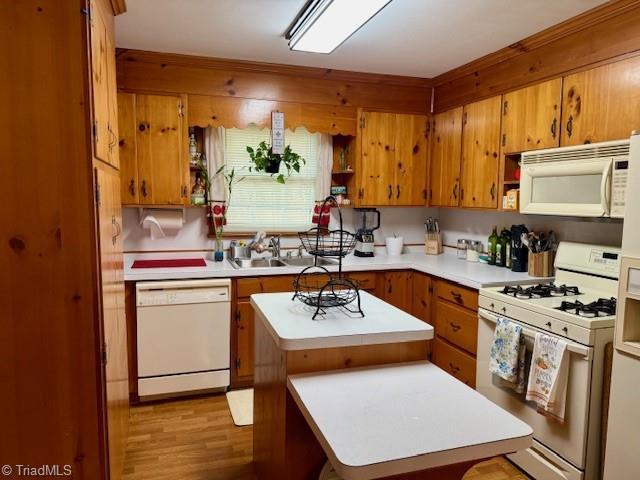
433,243
541,264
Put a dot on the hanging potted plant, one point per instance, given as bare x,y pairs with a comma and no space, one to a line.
264,160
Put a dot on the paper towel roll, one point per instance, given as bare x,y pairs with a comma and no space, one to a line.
162,221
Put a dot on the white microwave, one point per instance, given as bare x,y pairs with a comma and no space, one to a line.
583,181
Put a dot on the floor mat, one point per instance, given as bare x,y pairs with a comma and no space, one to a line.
241,406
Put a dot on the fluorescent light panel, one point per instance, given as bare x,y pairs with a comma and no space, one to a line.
331,22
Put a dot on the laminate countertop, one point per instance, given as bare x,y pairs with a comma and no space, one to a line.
292,327
446,265
389,420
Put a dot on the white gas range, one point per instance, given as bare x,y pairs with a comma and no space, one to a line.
579,307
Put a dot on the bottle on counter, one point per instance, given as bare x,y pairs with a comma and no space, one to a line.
506,248
492,245
500,251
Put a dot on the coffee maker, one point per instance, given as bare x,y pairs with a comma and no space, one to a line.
366,221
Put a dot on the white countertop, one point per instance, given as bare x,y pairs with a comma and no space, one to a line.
292,328
447,266
389,420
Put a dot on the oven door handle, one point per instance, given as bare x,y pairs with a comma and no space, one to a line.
586,352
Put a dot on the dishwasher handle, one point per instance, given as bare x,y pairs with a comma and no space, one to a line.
153,294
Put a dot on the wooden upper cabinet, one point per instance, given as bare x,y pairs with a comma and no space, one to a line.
480,147
377,158
103,80
446,151
160,144
393,159
602,103
531,117
127,148
411,160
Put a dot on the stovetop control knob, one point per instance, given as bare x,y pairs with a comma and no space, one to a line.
492,306
548,324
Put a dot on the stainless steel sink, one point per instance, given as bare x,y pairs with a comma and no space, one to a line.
308,261
257,263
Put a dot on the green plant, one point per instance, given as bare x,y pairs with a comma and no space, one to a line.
264,160
230,179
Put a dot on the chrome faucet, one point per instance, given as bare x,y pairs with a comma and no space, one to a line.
300,250
274,246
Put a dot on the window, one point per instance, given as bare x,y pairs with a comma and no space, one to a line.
258,202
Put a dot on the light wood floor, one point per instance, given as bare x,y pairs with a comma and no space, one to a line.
195,439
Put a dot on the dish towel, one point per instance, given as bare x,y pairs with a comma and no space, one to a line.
548,376
507,355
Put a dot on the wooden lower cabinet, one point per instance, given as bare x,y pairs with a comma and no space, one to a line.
456,323
396,288
454,361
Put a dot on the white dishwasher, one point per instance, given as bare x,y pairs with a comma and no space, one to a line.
183,336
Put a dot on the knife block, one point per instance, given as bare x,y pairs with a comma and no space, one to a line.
541,264
433,243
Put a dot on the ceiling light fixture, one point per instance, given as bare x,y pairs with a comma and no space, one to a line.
323,25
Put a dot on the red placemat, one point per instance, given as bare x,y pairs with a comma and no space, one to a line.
170,263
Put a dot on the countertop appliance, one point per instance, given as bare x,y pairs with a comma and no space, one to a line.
582,181
622,461
183,336
579,308
366,221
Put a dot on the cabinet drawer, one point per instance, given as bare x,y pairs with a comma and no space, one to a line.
364,280
248,286
454,361
458,325
462,296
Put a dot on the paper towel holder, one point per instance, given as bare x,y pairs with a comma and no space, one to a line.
141,211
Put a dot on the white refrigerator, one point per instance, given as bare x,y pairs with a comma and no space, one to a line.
622,458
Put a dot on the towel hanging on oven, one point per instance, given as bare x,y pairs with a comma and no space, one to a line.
507,357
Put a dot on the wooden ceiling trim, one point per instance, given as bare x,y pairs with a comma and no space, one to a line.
128,55
168,73
602,35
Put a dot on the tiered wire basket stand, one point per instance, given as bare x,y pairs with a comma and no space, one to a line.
316,286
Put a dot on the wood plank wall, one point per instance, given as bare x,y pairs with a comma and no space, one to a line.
234,93
50,399
601,35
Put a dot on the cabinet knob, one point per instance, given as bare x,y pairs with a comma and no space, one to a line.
570,126
455,191
554,128
493,191
398,191
142,127
454,369
455,327
143,188
390,194
548,324
132,187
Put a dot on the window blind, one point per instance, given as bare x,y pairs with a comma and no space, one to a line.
258,202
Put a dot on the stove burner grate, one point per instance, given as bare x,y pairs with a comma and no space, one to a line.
541,291
603,307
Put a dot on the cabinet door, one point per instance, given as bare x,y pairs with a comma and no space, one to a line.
100,84
601,104
411,160
398,289
480,147
244,339
112,101
421,297
531,117
114,328
377,162
127,148
159,142
446,151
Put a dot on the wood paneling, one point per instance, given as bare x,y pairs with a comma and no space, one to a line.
171,73
376,165
446,155
160,140
192,440
601,104
205,111
128,151
411,160
531,117
480,148
50,370
599,35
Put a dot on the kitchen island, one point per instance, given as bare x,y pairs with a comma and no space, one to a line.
293,354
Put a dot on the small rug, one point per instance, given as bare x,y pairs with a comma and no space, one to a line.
241,406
